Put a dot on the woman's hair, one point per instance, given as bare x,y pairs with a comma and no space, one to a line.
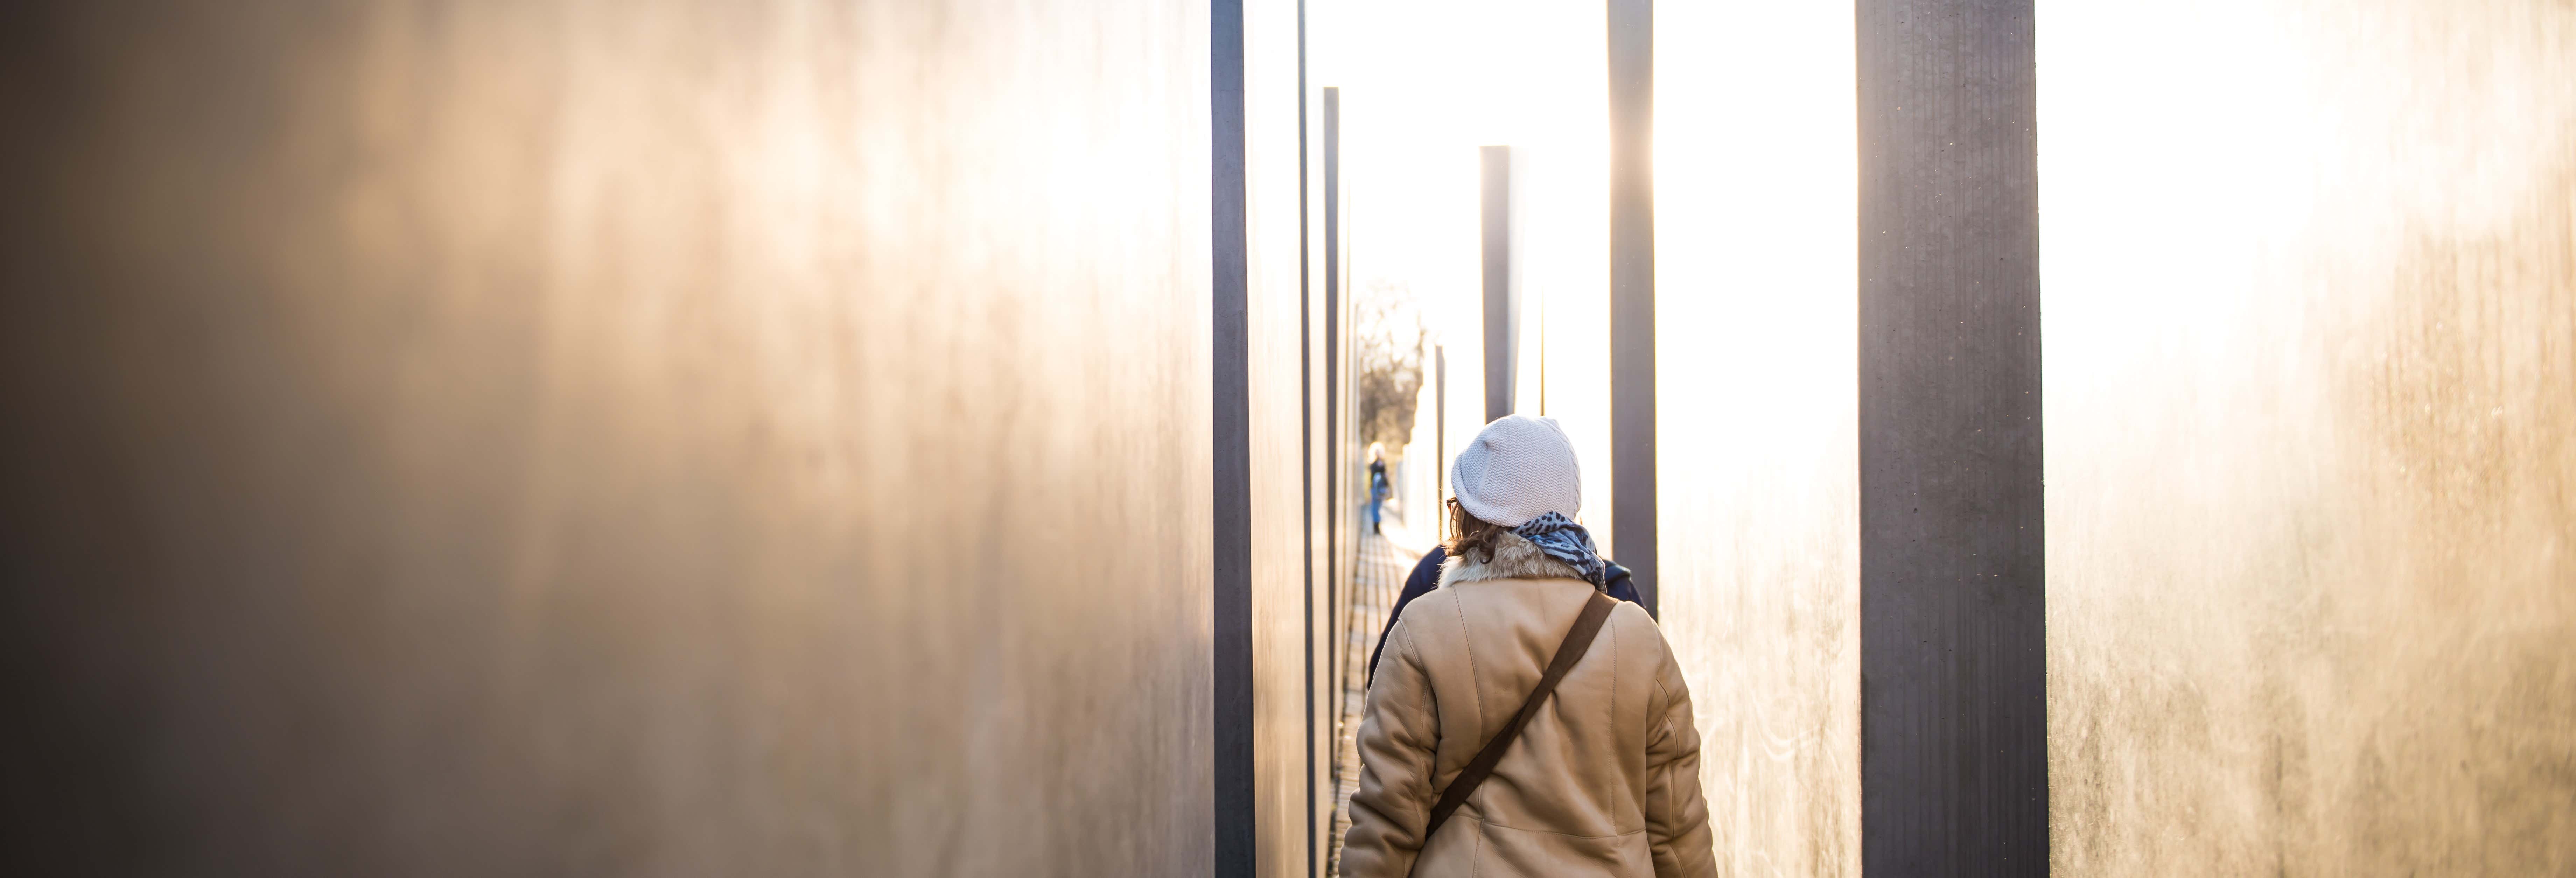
1469,534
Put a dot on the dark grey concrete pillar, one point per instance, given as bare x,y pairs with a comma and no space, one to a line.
1632,292
1236,790
1497,228
1954,749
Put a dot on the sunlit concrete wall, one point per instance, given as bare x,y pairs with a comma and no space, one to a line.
1323,613
638,438
1289,739
1757,432
2310,279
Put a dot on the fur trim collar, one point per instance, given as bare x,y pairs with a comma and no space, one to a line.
1514,558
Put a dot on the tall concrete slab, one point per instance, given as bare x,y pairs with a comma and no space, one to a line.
1264,774
1331,367
1953,689
1318,397
1284,774
1318,611
661,437
1501,315
1758,495
1238,718
2311,406
1630,32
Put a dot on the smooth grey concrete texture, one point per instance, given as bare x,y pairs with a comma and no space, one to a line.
1633,507
1954,685
1319,697
1494,218
1331,366
2311,317
1317,609
644,438
1317,458
1758,505
1237,813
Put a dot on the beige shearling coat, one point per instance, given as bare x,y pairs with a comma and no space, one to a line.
1603,781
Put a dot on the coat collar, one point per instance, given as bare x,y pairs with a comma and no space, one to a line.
1514,558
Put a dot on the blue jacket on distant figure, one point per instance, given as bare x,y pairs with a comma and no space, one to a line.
1426,576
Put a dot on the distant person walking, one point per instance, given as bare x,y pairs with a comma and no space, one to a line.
1378,488
1519,669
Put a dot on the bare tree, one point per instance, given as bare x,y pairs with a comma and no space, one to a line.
1390,341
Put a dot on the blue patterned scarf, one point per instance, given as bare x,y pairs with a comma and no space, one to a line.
1565,541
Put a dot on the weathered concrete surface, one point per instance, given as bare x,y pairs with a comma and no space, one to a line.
1286,716
1954,685
1758,496
1630,44
2311,405
637,438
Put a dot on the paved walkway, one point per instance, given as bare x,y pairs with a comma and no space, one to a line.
1383,565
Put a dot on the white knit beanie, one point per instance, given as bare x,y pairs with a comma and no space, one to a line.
1517,469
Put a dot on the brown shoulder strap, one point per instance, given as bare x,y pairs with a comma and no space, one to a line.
1577,641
